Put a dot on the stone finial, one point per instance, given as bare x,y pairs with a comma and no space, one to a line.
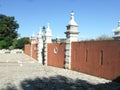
118,23
116,31
48,26
72,15
33,39
72,21
48,31
40,32
33,35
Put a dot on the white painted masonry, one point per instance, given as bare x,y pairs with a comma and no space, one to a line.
33,41
48,39
71,36
40,47
117,32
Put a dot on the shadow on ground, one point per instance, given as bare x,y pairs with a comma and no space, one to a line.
61,83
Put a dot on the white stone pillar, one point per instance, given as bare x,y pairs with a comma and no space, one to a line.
40,48
33,41
71,36
48,39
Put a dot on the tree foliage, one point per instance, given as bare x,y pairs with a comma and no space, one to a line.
104,37
20,43
8,32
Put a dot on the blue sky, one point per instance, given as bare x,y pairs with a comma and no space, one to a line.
94,17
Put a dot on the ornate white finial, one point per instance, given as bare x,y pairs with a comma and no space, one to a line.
48,30
118,23
48,25
72,15
72,21
40,32
33,35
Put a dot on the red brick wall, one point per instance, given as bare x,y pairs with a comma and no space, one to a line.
56,59
100,58
27,49
34,50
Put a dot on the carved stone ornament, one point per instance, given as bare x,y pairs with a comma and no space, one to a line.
55,50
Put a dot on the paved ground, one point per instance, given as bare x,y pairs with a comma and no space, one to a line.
20,72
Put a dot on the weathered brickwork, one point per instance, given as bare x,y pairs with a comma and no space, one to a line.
27,49
100,58
56,54
31,50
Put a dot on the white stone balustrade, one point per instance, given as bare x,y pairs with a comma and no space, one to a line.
7,51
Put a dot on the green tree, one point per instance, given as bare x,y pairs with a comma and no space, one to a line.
8,32
21,42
